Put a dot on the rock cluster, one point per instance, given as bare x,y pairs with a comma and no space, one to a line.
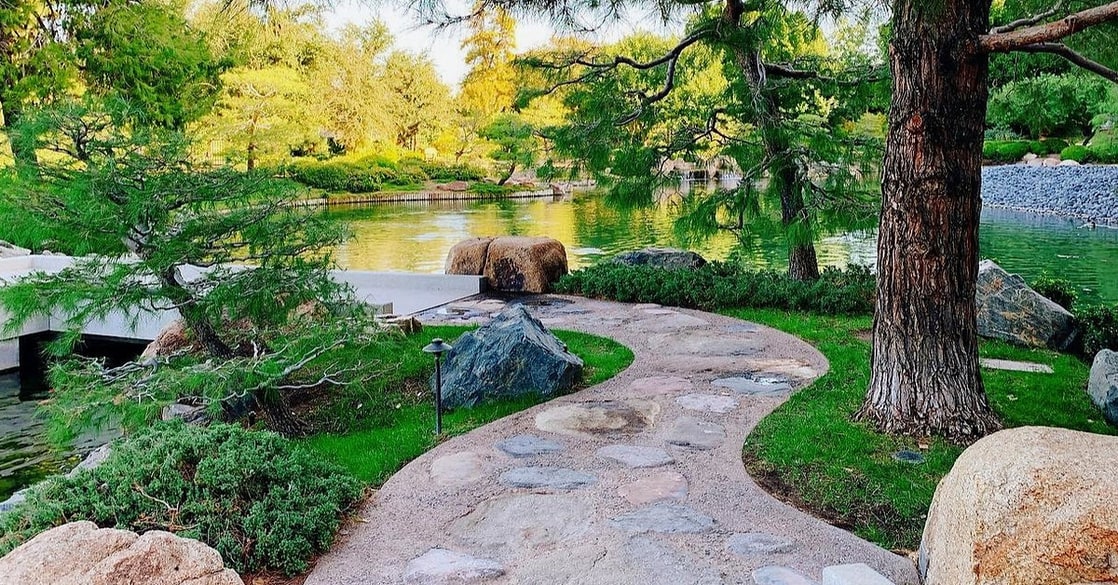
1086,191
1011,311
510,263
668,258
81,554
1026,505
513,355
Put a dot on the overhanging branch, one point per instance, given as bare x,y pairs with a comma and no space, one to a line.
1028,21
1075,58
1016,40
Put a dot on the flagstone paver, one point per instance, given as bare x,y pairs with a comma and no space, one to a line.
664,498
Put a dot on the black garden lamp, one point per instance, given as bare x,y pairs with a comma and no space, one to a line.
438,347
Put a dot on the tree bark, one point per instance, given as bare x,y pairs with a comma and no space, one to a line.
925,378
193,316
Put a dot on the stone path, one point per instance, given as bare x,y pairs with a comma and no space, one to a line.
638,480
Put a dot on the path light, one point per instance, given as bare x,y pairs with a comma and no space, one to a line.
438,347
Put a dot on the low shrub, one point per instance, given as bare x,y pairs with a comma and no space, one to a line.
1104,149
1098,329
1053,145
722,286
1006,151
492,189
255,497
361,175
1058,290
453,172
1076,153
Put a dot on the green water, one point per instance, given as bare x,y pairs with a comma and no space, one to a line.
417,236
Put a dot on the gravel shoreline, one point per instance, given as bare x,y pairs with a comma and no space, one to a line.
1088,192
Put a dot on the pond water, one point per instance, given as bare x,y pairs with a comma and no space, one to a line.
417,236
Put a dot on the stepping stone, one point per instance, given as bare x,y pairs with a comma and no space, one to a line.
598,418
1012,366
704,344
855,574
768,386
787,368
663,518
439,566
660,385
523,521
666,323
780,576
522,446
643,306
658,487
752,543
696,434
659,312
658,563
741,328
707,403
556,478
457,469
635,456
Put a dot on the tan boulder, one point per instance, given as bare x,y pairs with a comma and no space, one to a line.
79,553
1024,506
173,338
511,263
468,256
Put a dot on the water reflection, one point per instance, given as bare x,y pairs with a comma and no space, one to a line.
417,236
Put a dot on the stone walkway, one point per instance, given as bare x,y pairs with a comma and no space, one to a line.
638,480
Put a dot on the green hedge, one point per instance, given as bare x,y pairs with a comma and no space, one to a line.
261,501
1076,153
376,173
722,286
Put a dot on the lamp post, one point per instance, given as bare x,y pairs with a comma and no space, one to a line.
438,347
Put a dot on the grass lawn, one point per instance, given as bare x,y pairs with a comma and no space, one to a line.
373,448
809,453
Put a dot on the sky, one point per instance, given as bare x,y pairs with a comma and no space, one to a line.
444,47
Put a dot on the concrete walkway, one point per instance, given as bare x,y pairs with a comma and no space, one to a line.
638,480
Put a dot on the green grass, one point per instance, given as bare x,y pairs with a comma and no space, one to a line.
374,451
810,453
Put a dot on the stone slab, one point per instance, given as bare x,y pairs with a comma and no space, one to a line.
1014,366
663,518
750,386
780,576
457,469
674,322
754,543
514,522
660,385
707,403
854,574
439,566
556,478
696,434
600,417
524,446
658,487
636,456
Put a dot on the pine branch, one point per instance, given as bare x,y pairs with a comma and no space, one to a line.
1029,20
1016,40
1077,59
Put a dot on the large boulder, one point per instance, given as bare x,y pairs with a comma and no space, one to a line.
1009,310
12,251
513,355
1103,384
81,554
173,338
1023,506
510,263
669,258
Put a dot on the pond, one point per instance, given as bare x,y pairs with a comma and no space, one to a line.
417,236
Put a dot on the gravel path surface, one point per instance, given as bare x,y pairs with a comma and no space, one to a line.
637,480
1086,191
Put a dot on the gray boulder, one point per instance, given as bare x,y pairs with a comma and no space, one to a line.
1103,384
12,251
1011,311
513,355
669,258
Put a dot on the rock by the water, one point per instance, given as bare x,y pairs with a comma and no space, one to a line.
853,574
1103,384
511,356
439,566
510,263
194,414
664,518
528,446
79,553
696,434
669,258
635,456
1011,311
556,478
93,460
13,501
780,576
1026,505
12,251
752,543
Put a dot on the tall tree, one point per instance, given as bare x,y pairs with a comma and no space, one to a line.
925,376
420,103
489,87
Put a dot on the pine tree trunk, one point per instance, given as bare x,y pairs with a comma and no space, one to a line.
193,316
925,378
